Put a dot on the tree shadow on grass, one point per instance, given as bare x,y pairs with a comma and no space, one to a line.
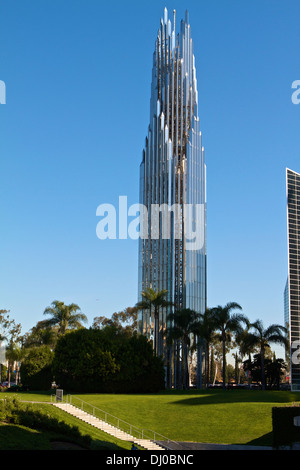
14,437
59,444
108,446
264,440
209,397
18,438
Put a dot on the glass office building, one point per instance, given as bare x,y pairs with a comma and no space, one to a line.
172,255
286,301
293,285
286,313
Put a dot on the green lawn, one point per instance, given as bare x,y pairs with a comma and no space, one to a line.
214,416
14,437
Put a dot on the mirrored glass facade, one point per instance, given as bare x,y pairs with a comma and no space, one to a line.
293,287
173,176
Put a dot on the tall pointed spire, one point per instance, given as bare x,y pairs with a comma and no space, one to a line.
165,16
172,174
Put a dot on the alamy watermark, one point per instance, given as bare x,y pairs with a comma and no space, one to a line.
158,222
2,92
295,352
296,93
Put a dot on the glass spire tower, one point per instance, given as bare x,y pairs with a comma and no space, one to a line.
173,182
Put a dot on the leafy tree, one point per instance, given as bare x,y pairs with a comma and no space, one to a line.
262,337
106,360
10,329
40,335
154,300
101,322
36,368
3,375
4,323
230,373
67,317
275,371
126,319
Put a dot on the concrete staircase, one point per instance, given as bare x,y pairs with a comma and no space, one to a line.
108,428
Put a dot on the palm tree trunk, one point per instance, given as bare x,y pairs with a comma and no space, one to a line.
224,364
175,365
156,341
207,364
8,378
186,372
179,365
262,359
240,367
199,366
216,371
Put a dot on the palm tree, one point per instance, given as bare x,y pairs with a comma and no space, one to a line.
65,316
262,337
154,299
185,324
245,344
2,338
13,354
206,330
227,323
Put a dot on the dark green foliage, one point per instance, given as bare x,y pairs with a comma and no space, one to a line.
14,412
273,370
3,375
107,360
36,368
284,431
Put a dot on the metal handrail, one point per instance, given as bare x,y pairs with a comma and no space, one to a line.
108,417
116,422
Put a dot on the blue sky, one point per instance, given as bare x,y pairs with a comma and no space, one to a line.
78,76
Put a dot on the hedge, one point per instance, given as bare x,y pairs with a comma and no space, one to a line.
285,433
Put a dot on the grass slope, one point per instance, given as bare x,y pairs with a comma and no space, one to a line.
214,416
16,437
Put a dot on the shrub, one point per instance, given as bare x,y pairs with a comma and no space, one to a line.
107,361
14,412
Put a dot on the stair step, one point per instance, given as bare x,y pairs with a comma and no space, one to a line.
105,427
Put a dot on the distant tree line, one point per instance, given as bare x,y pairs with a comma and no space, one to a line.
107,357
211,335
111,356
